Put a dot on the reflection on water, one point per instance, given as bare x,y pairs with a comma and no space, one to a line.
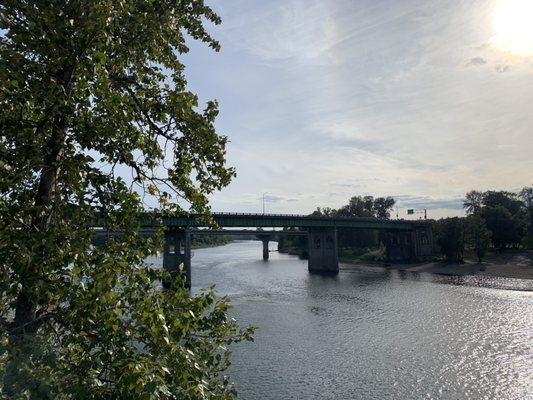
369,333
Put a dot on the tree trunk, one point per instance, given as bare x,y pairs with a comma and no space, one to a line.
26,322
25,308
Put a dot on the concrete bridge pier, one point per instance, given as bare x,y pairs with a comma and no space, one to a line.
265,249
322,249
411,245
177,254
265,239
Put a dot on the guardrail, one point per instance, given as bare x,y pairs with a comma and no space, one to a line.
245,220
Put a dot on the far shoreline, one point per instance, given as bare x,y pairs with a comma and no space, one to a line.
512,264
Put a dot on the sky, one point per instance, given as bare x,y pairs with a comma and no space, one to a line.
324,100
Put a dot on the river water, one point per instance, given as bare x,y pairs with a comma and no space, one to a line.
369,333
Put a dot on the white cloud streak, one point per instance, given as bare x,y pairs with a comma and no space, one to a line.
332,99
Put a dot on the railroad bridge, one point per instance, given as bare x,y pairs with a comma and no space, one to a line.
404,240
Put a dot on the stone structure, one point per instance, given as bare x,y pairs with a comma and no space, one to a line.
413,245
177,253
322,250
265,239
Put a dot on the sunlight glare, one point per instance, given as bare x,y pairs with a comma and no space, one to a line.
513,24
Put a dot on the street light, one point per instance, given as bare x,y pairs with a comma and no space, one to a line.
264,203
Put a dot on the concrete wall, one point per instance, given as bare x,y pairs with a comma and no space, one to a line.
399,246
413,245
177,254
322,248
424,241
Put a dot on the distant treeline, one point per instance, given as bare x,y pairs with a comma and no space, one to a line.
495,219
206,240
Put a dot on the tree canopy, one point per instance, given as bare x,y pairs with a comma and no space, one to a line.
95,117
473,202
450,236
504,213
478,235
367,206
526,194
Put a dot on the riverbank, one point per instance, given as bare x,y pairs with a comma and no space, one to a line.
512,264
205,241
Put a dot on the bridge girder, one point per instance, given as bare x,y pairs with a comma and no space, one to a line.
282,221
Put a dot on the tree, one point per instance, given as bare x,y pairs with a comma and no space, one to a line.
368,207
478,235
92,92
358,206
383,207
364,207
503,213
473,202
449,233
506,228
324,212
504,199
526,194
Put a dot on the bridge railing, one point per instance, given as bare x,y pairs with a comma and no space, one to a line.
244,220
311,216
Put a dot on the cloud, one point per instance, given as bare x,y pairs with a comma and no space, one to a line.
477,61
319,98
270,198
430,203
502,68
360,182
294,31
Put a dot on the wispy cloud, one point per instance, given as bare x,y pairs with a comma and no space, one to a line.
294,31
502,68
324,100
477,61
430,203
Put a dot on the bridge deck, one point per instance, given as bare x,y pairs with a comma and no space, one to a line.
228,220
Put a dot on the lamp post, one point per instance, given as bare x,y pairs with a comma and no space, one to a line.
264,203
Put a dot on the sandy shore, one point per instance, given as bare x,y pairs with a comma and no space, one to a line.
510,264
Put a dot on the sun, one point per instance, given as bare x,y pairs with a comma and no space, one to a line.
513,24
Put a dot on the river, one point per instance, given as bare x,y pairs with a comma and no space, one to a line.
369,333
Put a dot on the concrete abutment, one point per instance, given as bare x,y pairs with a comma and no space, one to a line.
322,250
177,254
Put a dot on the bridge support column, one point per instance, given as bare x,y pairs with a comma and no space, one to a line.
265,248
265,238
412,245
322,249
177,254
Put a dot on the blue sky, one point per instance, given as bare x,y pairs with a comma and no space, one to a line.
323,100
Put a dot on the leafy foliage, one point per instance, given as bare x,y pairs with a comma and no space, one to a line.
478,236
379,254
297,245
450,236
92,92
526,194
473,202
205,240
367,206
506,228
504,199
505,214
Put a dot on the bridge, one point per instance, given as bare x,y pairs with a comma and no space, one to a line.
404,240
